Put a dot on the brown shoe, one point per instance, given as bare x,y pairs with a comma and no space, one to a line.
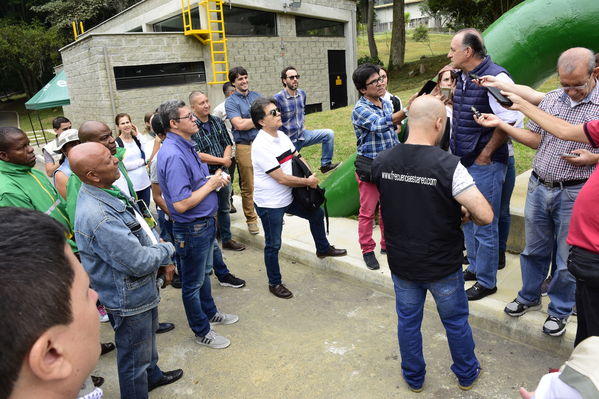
280,291
233,245
253,228
332,252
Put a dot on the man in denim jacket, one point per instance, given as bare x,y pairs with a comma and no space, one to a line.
122,256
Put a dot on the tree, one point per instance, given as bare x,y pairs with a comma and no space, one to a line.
374,53
469,13
29,51
398,37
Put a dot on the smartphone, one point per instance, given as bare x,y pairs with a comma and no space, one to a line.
446,92
570,155
476,112
495,92
427,88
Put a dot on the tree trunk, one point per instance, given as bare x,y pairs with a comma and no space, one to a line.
398,37
374,53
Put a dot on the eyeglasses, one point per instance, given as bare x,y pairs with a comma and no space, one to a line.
375,81
579,87
274,112
294,77
189,116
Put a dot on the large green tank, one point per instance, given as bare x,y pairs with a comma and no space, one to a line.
527,41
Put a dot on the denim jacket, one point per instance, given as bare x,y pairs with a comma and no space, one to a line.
116,252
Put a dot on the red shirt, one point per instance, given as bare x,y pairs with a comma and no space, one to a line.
584,223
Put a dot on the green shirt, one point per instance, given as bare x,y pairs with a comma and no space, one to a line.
25,187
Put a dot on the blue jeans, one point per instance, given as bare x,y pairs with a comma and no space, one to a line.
145,195
136,353
194,243
272,223
452,306
166,233
547,220
220,268
223,217
482,242
324,136
505,219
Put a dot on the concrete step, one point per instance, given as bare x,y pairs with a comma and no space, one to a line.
515,242
298,246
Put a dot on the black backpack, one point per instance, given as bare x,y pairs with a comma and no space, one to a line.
308,198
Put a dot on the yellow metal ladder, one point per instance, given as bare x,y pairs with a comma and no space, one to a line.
214,35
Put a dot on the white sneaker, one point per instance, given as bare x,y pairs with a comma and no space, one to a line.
213,340
223,319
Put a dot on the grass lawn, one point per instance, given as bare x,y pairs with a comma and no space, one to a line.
17,103
403,85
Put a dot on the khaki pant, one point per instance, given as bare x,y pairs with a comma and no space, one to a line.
246,175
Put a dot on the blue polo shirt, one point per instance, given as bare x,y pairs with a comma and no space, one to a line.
239,105
180,173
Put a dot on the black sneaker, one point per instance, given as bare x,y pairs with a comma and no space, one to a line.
478,291
371,261
469,276
555,326
501,263
230,280
328,167
515,308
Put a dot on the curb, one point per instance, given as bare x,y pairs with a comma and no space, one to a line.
486,313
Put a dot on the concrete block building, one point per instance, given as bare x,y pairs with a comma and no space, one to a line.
140,57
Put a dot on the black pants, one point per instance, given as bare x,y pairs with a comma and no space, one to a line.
584,265
232,174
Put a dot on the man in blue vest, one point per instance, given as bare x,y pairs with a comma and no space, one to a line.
483,151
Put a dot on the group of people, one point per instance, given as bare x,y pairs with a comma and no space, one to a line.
447,184
101,195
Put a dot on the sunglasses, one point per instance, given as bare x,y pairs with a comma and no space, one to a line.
294,77
274,112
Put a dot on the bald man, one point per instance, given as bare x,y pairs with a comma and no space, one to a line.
424,192
98,132
122,256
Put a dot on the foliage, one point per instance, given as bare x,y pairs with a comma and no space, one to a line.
407,17
420,34
29,52
459,14
369,60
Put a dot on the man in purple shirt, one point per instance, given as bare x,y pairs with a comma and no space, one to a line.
189,192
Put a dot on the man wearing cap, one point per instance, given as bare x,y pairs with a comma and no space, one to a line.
67,140
51,158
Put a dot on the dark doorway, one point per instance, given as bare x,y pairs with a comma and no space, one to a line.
337,78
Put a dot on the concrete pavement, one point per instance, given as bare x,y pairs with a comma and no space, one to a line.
335,339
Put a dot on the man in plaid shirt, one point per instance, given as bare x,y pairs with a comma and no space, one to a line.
560,169
215,148
291,101
374,124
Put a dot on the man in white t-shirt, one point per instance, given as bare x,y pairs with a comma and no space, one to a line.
272,152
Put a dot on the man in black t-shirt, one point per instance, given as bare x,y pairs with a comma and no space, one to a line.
425,192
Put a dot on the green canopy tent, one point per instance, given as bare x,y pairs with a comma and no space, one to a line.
53,94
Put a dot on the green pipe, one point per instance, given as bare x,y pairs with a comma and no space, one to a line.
527,41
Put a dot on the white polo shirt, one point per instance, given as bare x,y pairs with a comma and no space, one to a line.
268,154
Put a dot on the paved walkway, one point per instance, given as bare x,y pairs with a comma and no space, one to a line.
335,339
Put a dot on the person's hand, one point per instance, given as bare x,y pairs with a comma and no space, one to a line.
586,158
226,162
482,159
226,178
487,120
525,394
312,181
134,131
216,180
489,81
414,96
516,99
168,271
465,215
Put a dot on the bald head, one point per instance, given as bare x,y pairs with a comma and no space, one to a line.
94,164
574,58
427,120
97,132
